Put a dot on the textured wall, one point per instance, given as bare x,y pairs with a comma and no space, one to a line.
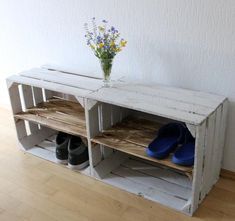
187,43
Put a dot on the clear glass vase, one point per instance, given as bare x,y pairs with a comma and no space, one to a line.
106,66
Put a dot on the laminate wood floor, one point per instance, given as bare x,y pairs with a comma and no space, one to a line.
37,190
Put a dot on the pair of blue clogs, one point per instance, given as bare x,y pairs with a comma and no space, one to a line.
169,137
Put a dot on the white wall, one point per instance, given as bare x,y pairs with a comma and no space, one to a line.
187,43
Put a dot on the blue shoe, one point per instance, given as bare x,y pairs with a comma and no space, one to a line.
169,136
185,154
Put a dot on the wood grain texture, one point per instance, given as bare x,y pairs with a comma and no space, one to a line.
57,114
68,79
132,136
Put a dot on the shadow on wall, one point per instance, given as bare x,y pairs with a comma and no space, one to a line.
230,138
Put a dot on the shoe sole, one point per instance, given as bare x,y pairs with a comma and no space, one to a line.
79,166
64,162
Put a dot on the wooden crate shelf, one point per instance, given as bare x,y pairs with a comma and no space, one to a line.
116,133
132,136
58,114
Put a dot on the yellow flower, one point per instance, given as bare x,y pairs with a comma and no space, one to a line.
118,49
112,44
101,45
123,43
92,47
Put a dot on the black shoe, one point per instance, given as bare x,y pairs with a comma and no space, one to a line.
78,154
62,141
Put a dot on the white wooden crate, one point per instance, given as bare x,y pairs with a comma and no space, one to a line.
118,123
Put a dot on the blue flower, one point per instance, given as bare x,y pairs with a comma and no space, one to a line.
106,47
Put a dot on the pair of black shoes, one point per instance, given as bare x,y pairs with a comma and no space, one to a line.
72,151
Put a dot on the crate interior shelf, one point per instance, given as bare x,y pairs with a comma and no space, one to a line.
132,136
58,114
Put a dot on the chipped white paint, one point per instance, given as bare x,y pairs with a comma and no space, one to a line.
204,114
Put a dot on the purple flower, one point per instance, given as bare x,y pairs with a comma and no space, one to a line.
93,18
104,21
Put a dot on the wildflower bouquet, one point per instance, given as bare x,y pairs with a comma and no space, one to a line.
105,43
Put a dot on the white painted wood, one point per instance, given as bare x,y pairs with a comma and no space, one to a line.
49,85
116,115
92,118
92,127
150,181
30,141
149,104
64,78
42,153
179,94
109,164
75,72
48,145
208,170
81,101
52,138
192,129
67,71
158,172
144,191
29,102
37,98
198,166
16,106
222,136
105,116
47,94
215,156
50,156
96,155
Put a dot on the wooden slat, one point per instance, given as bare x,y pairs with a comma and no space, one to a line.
58,114
105,122
92,125
16,106
27,92
170,176
223,135
176,94
150,181
49,154
216,148
198,166
208,151
61,88
110,163
152,105
132,180
134,140
64,78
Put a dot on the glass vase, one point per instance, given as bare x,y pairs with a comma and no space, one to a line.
106,66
